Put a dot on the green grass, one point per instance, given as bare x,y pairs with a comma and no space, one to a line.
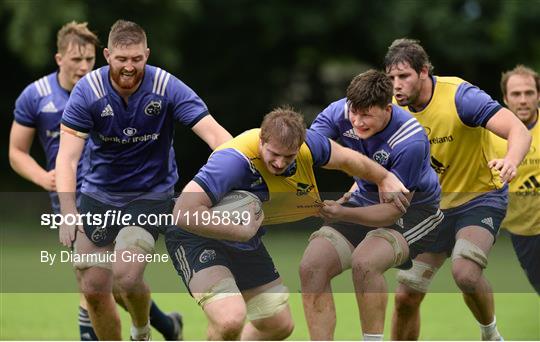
31,307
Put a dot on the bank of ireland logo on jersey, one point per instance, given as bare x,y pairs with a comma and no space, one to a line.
130,131
153,108
207,255
381,157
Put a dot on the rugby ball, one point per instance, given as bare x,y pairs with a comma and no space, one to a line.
239,200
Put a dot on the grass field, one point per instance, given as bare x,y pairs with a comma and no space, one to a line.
32,307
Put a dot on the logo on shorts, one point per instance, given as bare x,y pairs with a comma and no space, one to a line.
488,221
381,157
207,255
153,108
99,235
399,222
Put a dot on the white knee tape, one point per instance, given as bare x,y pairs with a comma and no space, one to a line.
418,277
268,303
133,237
84,261
399,254
341,244
224,288
468,250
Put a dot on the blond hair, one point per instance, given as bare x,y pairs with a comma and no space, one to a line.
75,33
285,126
124,33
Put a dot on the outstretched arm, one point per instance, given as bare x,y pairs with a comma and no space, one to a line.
355,164
377,215
506,125
209,130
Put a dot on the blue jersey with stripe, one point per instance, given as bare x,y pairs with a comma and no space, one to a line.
40,106
130,153
402,147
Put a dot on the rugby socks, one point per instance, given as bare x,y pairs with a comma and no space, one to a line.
490,332
162,322
373,337
140,333
86,331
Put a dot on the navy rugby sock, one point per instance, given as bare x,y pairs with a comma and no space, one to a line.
86,331
161,321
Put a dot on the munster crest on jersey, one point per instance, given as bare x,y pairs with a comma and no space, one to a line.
153,108
381,157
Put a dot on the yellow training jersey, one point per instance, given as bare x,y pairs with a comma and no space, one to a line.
523,215
290,198
459,153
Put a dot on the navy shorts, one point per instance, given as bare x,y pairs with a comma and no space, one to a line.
191,253
103,235
528,252
489,218
419,226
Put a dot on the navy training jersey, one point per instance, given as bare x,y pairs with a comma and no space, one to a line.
40,106
401,147
130,153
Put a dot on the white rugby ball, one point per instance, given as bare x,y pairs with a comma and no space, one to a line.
239,200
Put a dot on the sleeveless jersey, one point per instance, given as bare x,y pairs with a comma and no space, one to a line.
291,198
459,152
523,215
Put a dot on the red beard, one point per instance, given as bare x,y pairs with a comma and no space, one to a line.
126,82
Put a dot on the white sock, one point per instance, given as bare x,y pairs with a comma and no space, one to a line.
373,337
490,332
140,333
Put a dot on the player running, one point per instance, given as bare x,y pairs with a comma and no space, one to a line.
126,110
233,281
521,92
361,233
458,118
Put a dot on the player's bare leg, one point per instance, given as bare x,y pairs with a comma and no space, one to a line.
373,256
279,325
469,277
223,306
319,265
86,330
135,293
406,315
96,285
